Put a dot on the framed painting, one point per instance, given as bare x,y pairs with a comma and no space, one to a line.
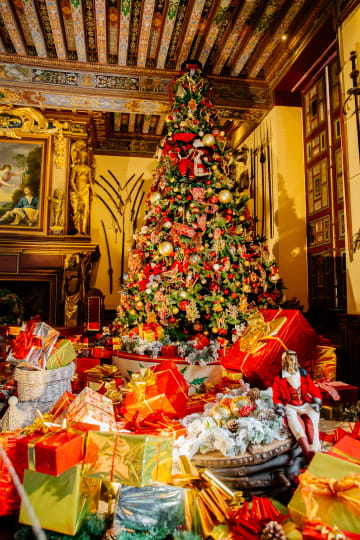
22,184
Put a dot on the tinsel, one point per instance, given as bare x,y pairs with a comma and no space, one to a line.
93,528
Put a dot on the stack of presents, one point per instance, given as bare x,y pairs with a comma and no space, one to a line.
83,436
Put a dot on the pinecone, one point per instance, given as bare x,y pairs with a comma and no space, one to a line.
273,531
202,388
232,426
253,394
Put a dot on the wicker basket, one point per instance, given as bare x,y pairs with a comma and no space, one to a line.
45,385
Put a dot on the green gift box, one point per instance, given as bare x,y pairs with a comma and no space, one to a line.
338,504
61,503
136,460
63,355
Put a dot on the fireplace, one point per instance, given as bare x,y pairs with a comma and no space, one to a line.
38,294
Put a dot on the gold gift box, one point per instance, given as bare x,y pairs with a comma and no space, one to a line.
336,504
61,503
136,460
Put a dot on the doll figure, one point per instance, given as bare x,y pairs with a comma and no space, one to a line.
297,398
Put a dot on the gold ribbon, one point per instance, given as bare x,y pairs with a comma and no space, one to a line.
312,486
140,381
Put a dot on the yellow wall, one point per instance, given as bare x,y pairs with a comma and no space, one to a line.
122,168
348,37
284,124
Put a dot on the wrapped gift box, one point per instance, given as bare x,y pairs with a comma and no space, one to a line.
159,389
9,497
34,344
312,496
149,507
83,364
257,353
62,354
136,460
347,448
347,393
92,408
61,503
324,362
59,408
52,452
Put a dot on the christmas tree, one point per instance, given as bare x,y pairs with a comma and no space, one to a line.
197,268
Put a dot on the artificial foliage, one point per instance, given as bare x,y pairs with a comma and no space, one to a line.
197,268
93,528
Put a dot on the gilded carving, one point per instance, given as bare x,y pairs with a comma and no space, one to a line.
16,121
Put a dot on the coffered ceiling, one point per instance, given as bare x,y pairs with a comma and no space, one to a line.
115,60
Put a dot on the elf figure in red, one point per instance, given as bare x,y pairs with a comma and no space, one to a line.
297,398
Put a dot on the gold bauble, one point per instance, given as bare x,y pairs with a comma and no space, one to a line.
208,139
247,288
209,190
155,197
172,180
217,307
139,305
175,310
166,248
215,330
132,312
225,196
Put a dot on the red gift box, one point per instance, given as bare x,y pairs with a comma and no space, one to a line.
9,497
162,389
261,363
347,448
169,351
347,392
83,364
51,453
320,531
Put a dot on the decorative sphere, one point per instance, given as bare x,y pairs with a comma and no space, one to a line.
175,310
274,277
215,330
155,197
208,139
194,258
225,196
216,267
183,294
139,305
166,248
132,312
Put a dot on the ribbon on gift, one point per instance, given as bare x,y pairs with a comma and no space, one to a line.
339,433
207,499
23,343
312,486
327,385
139,382
318,527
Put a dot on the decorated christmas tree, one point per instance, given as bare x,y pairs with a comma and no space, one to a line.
197,268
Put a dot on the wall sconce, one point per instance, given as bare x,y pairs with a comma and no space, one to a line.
354,91
241,154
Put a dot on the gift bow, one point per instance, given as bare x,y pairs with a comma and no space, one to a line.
22,344
312,485
139,382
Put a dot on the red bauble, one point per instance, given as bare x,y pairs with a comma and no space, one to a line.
234,295
246,410
228,217
213,199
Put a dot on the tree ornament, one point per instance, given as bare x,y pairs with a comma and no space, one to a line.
139,305
208,139
225,196
155,197
175,310
214,330
166,248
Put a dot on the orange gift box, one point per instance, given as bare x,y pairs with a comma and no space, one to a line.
59,408
51,453
159,389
